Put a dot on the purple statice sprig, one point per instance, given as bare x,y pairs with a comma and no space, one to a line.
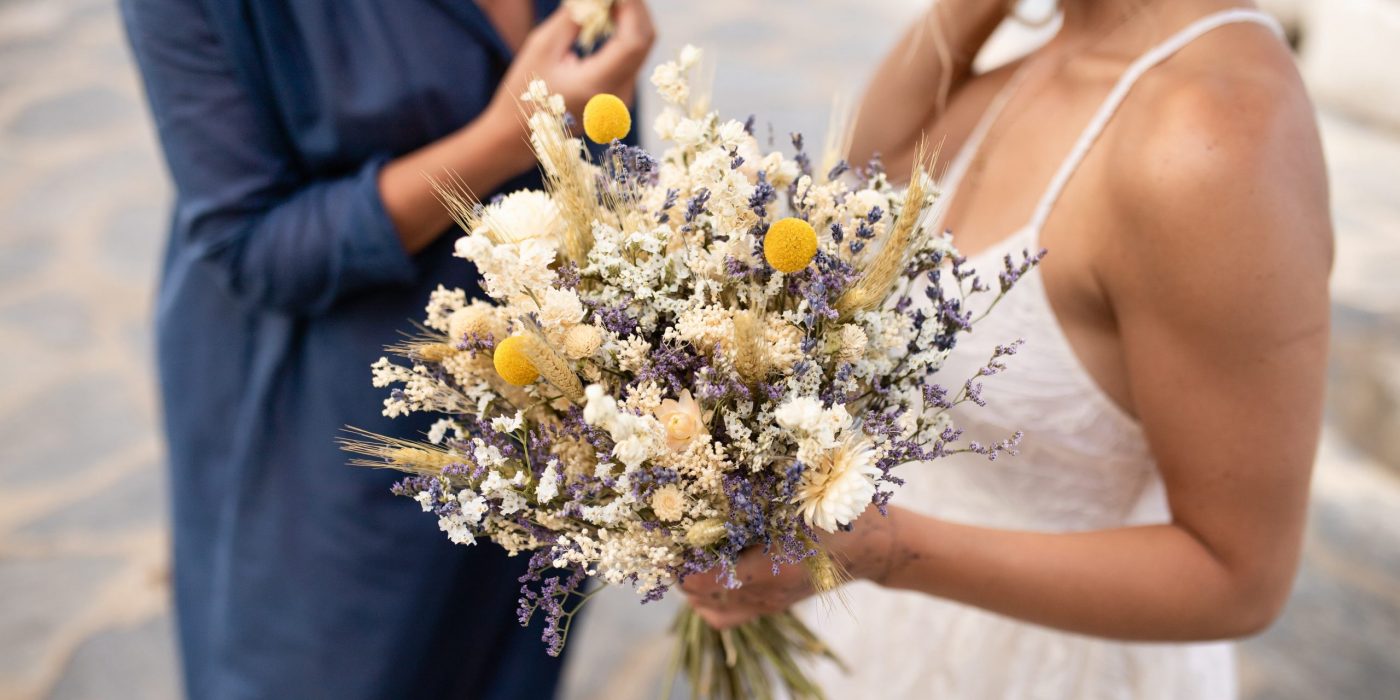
558,595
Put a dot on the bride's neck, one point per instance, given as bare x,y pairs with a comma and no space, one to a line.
1089,16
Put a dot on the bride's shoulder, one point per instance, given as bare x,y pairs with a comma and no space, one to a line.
1215,171
1227,127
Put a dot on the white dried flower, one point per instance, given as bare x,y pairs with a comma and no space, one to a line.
507,424
839,485
560,309
548,488
816,428
521,216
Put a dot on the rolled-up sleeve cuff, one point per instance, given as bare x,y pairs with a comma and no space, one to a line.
374,252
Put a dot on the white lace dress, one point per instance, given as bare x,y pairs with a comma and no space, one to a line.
1084,464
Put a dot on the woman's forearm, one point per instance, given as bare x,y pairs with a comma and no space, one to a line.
1149,583
483,155
930,61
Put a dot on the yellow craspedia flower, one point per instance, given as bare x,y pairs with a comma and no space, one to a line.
790,244
606,119
511,362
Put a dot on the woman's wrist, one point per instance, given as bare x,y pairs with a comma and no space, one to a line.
868,549
500,131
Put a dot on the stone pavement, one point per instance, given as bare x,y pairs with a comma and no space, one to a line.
84,609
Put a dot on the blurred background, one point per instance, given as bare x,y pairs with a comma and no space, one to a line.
84,609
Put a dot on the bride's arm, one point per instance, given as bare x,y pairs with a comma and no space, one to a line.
1219,288
932,58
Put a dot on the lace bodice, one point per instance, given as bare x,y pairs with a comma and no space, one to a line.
1084,464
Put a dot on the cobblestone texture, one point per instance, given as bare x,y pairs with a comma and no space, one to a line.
84,609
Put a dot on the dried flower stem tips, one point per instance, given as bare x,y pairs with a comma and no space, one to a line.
790,244
512,362
606,118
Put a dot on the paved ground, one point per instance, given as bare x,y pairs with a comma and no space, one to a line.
83,598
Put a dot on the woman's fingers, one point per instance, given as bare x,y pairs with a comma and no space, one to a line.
552,38
622,55
722,619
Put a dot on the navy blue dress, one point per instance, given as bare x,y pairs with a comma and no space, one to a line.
297,576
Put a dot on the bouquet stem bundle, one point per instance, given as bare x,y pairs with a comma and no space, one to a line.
748,662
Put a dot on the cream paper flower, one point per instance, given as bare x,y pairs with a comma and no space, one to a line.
681,420
838,486
669,503
521,216
560,309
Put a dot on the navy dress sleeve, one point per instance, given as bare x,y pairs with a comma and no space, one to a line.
271,237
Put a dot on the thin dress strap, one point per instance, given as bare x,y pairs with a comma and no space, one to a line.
1147,61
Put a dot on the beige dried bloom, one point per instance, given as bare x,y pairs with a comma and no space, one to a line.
582,341
668,503
853,342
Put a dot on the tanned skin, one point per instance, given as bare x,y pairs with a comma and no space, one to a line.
493,148
1188,266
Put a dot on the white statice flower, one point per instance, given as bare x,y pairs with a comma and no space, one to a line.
668,503
548,488
488,456
508,424
497,487
732,134
510,271
779,171
784,344
442,303
472,506
816,429
705,326
437,432
670,80
425,500
860,203
665,126
644,398
838,486
457,529
538,94
383,373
